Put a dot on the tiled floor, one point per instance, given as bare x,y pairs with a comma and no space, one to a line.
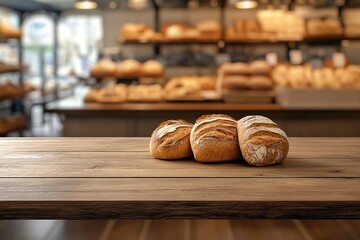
180,230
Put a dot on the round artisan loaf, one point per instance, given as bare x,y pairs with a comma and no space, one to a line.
171,140
261,141
214,138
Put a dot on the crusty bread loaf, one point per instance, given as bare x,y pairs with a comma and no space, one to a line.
260,83
152,68
238,68
128,68
261,141
259,68
214,138
171,140
236,83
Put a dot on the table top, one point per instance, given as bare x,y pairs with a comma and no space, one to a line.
88,178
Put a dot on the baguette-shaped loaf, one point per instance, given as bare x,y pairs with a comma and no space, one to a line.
171,140
214,138
261,141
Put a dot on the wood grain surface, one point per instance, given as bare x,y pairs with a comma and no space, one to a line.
97,178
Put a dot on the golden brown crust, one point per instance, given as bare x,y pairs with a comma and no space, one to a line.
171,140
260,83
214,139
236,83
259,68
261,141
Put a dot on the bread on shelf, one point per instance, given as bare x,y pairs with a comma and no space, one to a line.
128,68
326,27
112,94
145,93
209,29
12,123
307,77
7,31
175,31
238,68
236,83
259,68
103,68
152,68
10,90
133,31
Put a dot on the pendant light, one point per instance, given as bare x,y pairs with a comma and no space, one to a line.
246,4
85,4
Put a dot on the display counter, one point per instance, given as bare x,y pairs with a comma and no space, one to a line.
140,119
116,178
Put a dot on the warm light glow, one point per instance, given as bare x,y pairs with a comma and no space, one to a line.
85,4
246,4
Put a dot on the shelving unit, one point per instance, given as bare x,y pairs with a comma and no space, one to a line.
223,42
13,117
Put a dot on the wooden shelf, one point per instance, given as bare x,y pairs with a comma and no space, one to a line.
307,39
170,42
11,70
6,39
12,124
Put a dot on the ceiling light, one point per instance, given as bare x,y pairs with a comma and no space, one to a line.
85,4
246,4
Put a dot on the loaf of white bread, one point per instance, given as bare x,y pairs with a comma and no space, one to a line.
220,138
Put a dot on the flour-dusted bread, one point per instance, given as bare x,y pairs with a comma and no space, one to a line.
171,140
261,141
214,139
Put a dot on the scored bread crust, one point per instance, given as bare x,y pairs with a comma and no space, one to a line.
261,141
171,140
214,138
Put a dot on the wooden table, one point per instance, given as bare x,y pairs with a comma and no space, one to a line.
106,178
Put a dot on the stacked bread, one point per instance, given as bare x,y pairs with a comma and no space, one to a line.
138,31
127,69
10,90
220,138
12,123
121,93
305,76
188,87
109,94
143,93
7,31
243,76
5,67
319,27
269,24
205,29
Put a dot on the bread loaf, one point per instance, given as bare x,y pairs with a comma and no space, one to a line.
171,140
213,138
152,68
236,83
261,141
128,68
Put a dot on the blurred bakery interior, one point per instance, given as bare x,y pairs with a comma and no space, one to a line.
120,67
